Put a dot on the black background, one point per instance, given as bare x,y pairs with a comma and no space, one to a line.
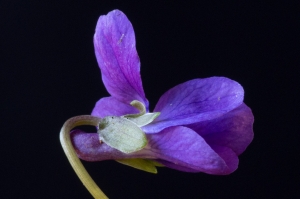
49,73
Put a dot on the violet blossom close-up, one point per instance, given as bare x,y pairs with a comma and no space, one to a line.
201,125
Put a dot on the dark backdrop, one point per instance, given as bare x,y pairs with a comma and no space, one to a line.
49,73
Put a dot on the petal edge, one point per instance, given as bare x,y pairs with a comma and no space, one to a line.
114,42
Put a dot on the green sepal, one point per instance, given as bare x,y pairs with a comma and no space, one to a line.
141,164
139,106
142,120
121,134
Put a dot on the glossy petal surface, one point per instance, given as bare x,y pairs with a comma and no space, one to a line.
117,57
196,100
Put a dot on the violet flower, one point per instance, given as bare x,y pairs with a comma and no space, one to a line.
203,124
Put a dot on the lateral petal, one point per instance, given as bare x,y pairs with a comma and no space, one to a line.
195,101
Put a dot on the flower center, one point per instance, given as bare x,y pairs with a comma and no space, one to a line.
123,132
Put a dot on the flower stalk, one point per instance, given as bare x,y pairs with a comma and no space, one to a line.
69,150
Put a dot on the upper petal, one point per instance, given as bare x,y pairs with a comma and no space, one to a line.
114,42
196,100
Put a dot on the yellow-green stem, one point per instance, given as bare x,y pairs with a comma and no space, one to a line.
69,150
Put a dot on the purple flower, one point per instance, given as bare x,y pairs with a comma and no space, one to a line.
203,124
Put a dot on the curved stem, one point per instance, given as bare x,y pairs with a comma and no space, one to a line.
69,150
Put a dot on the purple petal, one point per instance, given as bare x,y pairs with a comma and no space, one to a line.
196,100
88,147
176,147
186,150
117,57
230,157
110,106
233,130
225,153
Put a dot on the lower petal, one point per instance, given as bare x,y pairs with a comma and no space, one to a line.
178,147
177,167
226,154
183,149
